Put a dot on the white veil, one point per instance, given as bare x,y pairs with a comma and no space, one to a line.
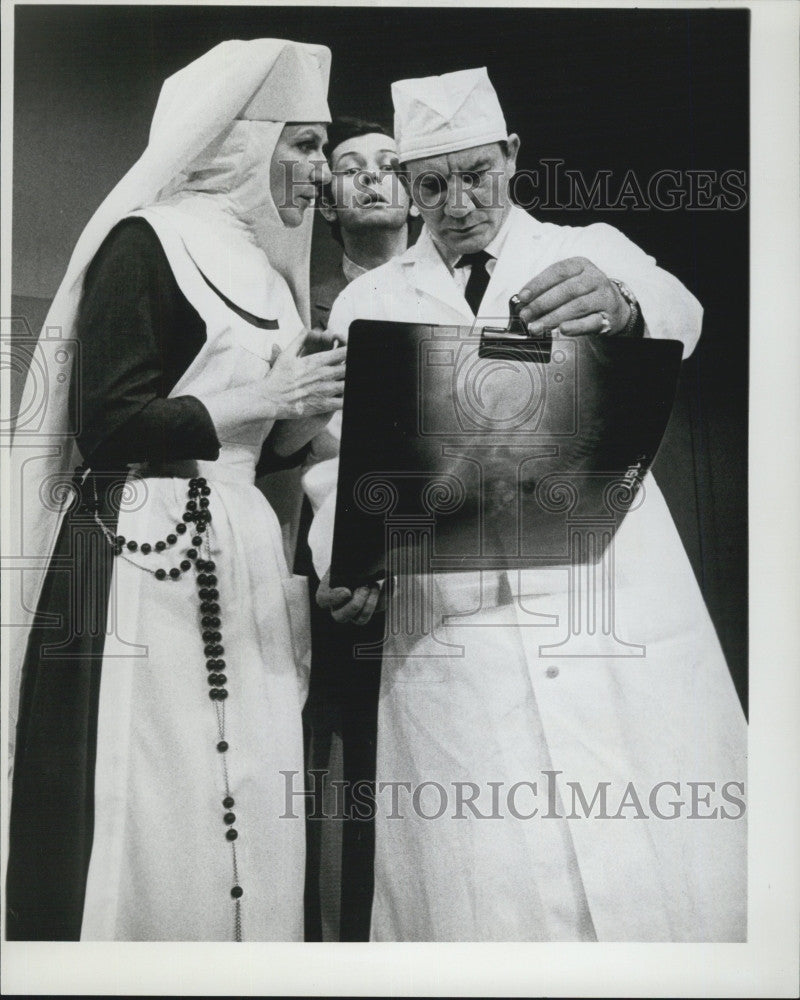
239,94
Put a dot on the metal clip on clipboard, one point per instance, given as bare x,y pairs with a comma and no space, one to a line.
514,342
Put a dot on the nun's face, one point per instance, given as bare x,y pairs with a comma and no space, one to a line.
298,166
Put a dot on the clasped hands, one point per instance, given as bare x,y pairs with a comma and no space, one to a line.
306,378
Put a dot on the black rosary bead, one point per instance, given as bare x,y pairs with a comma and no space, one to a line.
147,548
210,621
161,574
118,550
120,539
132,546
160,546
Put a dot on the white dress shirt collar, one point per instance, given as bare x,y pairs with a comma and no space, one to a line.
494,248
351,269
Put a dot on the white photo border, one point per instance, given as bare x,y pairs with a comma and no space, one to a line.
765,966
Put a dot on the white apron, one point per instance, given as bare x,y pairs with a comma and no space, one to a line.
161,866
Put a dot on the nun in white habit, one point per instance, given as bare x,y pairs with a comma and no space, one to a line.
159,692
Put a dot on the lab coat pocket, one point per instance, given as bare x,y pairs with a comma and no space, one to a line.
295,589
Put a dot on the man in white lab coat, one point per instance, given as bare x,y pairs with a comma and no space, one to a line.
533,794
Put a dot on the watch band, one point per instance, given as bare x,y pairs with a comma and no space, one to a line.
635,325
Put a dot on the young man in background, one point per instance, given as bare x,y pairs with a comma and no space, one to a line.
366,204
367,208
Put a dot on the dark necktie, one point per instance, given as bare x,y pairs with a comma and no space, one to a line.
478,277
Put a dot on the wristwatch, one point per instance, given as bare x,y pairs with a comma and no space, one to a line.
635,325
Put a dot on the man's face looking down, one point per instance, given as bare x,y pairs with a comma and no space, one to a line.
463,197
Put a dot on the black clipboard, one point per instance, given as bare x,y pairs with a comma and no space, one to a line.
466,449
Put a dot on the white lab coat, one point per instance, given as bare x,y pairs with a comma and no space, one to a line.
652,703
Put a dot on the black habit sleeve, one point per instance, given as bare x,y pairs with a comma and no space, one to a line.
138,334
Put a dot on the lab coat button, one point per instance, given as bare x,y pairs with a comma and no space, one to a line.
551,672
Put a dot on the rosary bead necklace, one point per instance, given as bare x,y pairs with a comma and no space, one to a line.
196,513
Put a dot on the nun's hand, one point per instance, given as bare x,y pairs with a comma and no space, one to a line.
322,340
305,385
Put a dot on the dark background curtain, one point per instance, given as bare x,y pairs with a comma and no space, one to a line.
600,90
